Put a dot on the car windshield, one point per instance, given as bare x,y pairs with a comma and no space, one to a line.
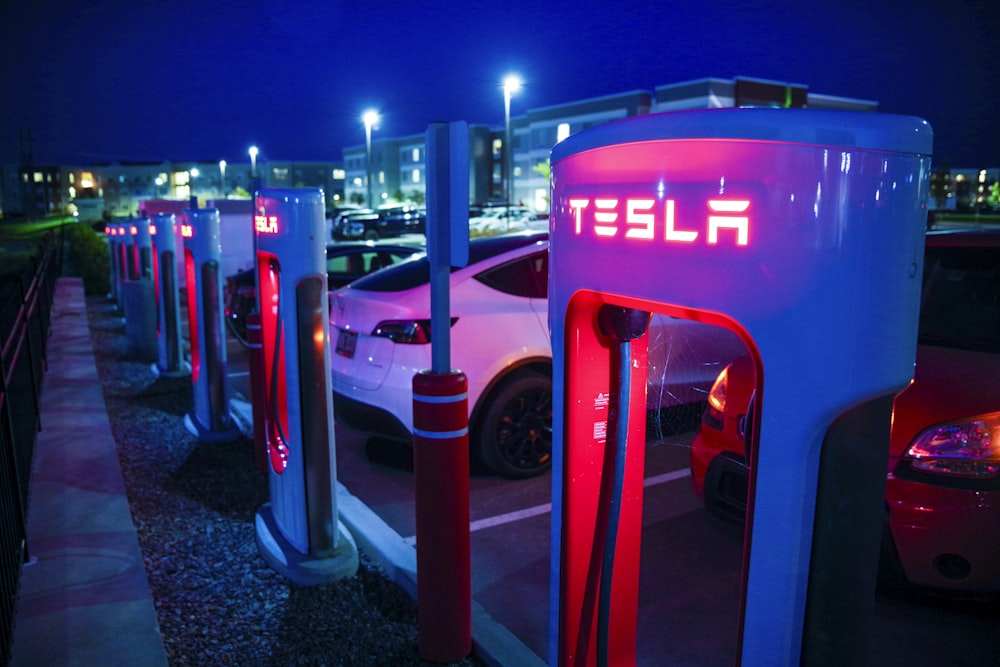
416,271
960,304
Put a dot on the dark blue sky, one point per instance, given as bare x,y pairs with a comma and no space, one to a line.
203,80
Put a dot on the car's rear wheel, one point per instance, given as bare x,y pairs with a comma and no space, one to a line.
371,235
514,434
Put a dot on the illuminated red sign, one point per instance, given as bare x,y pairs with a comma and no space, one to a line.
187,231
641,219
265,224
152,230
133,230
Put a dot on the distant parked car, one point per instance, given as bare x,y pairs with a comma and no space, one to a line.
497,219
387,222
344,262
942,499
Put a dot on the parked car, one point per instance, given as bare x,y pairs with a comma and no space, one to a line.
500,340
497,219
386,222
942,503
344,262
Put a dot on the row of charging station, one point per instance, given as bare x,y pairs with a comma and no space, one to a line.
298,532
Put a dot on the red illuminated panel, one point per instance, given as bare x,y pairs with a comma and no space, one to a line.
265,224
643,221
152,230
187,231
133,230
190,273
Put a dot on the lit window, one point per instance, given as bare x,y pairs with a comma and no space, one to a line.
381,178
339,174
280,174
72,177
416,157
416,175
181,178
38,177
72,192
358,182
562,131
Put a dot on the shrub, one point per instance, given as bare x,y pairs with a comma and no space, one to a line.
88,258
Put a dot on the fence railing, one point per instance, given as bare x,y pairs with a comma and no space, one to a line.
25,312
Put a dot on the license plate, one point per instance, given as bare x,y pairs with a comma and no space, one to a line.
346,342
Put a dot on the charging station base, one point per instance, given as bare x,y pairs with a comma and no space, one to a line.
204,434
300,568
183,371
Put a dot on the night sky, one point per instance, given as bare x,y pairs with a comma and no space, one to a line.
203,80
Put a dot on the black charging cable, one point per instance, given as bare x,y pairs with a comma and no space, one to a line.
282,444
623,325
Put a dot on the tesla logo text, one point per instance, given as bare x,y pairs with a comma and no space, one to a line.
265,224
187,231
642,220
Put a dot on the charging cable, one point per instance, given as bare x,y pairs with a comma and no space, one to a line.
623,325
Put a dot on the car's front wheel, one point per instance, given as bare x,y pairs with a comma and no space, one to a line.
371,235
514,434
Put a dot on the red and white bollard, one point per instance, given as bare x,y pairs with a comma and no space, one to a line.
441,472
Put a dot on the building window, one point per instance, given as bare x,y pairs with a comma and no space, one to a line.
38,177
562,131
416,175
381,178
416,156
339,174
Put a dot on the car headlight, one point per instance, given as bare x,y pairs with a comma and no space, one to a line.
968,448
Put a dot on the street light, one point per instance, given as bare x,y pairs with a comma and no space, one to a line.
192,174
371,119
253,170
222,179
511,84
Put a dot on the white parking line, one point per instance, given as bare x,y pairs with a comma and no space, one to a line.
527,513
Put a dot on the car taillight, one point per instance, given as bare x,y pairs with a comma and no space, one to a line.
969,448
406,332
717,399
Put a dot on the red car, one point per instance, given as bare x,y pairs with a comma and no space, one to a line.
943,482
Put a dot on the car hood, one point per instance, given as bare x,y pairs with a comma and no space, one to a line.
948,384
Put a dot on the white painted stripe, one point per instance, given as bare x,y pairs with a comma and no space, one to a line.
441,435
424,398
527,513
667,477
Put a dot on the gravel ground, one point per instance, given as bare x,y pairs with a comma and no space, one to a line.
193,504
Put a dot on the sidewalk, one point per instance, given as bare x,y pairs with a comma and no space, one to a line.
84,598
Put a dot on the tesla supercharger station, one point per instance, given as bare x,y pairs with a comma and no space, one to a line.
169,342
801,231
209,419
299,532
139,291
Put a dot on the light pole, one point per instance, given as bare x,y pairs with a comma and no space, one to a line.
370,119
253,170
511,84
222,179
192,174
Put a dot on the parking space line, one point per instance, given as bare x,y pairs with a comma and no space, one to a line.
529,512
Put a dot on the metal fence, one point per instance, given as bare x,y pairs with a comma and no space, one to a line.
25,311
